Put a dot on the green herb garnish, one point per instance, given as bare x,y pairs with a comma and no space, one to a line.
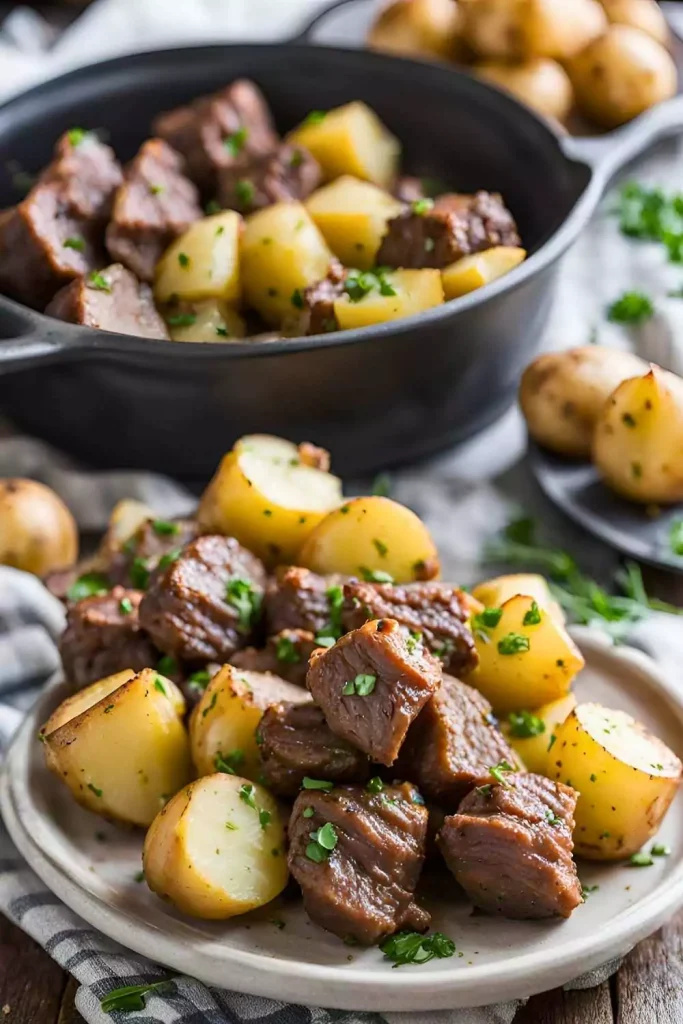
307,783
181,319
297,298
323,841
660,850
76,136
498,773
165,528
183,260
375,575
375,785
315,117
488,619
99,282
676,537
158,685
381,486
91,584
246,601
533,616
74,243
235,143
524,724
200,680
230,763
95,790
631,308
264,818
167,665
244,191
422,206
133,997
362,685
413,948
640,860
247,792
513,643
286,651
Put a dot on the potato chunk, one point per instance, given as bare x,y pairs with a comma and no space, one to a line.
211,320
480,268
353,215
530,734
495,592
217,849
350,140
203,263
413,291
121,749
626,777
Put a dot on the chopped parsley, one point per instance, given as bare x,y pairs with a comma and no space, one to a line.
181,319
381,486
552,818
169,558
158,685
524,724
380,547
94,789
286,651
631,308
222,332
75,242
676,537
296,159
247,795
362,685
323,841
167,665
375,575
183,260
333,630
244,191
360,283
297,298
235,143
200,680
513,643
533,616
264,818
245,600
488,619
308,812
499,771
422,206
211,706
640,860
99,281
586,890
308,783
413,948
76,136
156,190
165,528
652,215
315,117
91,584
212,207
229,763
133,997
660,850
375,785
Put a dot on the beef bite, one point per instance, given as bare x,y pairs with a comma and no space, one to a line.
357,856
510,847
372,684
155,204
103,636
296,742
257,180
155,541
205,605
452,744
111,299
315,304
286,654
436,233
297,598
436,611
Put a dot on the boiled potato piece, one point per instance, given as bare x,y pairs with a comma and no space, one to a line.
414,291
352,216
540,82
638,440
122,751
126,518
563,393
84,699
267,497
217,849
282,251
350,140
531,745
513,29
371,533
643,14
37,531
526,660
223,725
622,74
418,28
211,320
625,776
479,268
203,263
495,592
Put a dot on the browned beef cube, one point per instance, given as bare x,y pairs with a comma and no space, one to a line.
205,605
372,685
155,204
286,654
313,308
110,300
510,847
87,172
215,130
254,181
435,613
363,888
154,540
295,742
454,741
434,235
297,598
103,636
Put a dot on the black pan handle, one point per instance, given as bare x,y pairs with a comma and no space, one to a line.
305,34
24,339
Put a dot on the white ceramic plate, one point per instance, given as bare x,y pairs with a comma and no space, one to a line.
92,865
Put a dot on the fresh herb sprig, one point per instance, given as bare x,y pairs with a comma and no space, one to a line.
652,215
412,948
631,308
133,997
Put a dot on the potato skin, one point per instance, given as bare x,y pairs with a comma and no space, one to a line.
540,82
514,29
429,29
37,531
562,394
643,14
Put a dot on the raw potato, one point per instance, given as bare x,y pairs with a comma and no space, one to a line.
372,533
282,251
479,268
214,321
495,592
540,82
121,749
418,28
643,14
638,440
563,393
514,29
203,263
350,140
37,532
531,677
416,290
622,74
352,216
533,750
215,854
224,722
267,497
626,778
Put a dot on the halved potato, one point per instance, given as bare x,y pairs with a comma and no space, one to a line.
526,660
350,140
121,748
480,268
352,215
267,497
494,592
211,320
626,778
217,849
531,745
223,724
413,291
371,533
203,263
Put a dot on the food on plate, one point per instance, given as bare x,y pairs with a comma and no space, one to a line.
297,598
253,182
285,654
643,14
471,272
217,849
633,70
531,734
539,82
494,592
83,699
146,542
223,725
203,262
124,751
110,299
125,518
514,29
563,393
638,439
357,854
391,295
510,846
352,216
526,657
626,778
37,531
418,28
211,320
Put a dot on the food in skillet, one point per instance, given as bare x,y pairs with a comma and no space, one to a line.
219,229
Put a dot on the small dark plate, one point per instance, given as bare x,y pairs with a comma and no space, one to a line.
576,488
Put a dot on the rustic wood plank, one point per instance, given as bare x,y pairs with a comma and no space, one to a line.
31,984
68,1014
592,1006
649,986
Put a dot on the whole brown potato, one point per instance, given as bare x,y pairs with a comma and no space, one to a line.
37,531
540,82
643,14
419,28
621,75
514,29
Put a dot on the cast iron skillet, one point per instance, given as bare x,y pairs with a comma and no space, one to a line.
376,396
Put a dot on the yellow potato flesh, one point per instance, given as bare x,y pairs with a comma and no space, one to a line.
372,533
203,263
480,268
416,290
626,778
494,592
37,531
533,750
213,321
84,699
126,518
352,216
215,854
